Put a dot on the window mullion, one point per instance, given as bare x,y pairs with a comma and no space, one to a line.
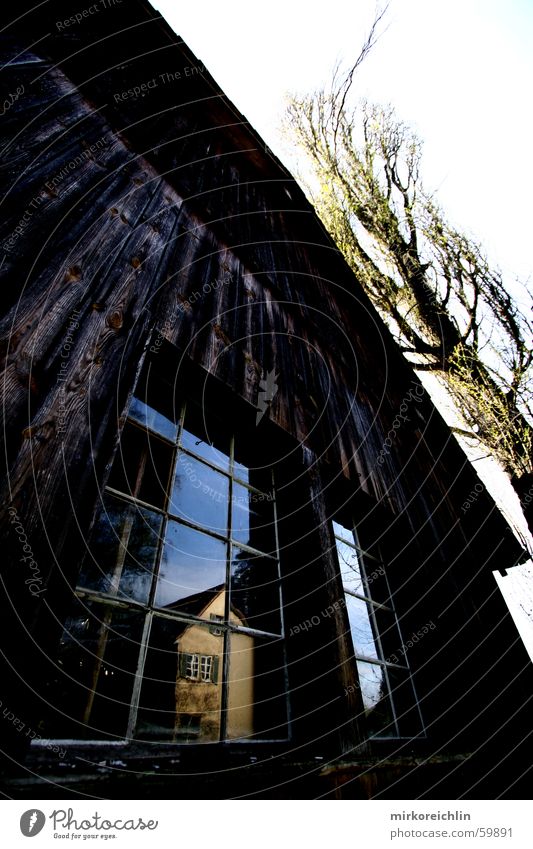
224,701
136,695
164,524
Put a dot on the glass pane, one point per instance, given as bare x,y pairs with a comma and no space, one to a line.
192,572
150,418
206,436
257,706
344,533
350,568
405,703
205,450
376,581
123,551
376,699
253,519
361,627
181,694
255,592
200,495
391,642
96,668
142,466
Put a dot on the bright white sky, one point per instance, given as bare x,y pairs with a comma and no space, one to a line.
460,72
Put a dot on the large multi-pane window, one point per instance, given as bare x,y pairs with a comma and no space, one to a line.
177,631
387,690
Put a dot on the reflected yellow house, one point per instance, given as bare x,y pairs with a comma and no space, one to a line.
200,673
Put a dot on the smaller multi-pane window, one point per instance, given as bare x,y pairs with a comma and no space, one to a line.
206,668
191,666
198,667
387,691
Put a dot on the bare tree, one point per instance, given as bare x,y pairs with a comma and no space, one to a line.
449,308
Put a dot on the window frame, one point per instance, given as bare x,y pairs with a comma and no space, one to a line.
112,599
362,555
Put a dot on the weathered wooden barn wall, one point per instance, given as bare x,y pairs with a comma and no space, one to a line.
128,220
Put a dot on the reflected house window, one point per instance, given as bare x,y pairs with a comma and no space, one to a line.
388,695
177,634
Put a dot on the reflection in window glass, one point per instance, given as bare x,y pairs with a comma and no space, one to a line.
206,667
200,495
343,533
253,519
124,547
361,627
192,563
376,636
150,418
142,466
350,568
206,435
205,450
256,698
181,694
192,666
376,699
97,663
255,591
